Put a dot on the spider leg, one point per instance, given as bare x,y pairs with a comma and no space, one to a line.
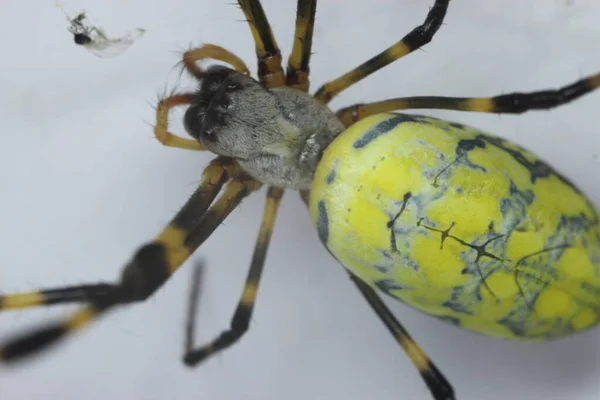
195,290
214,176
416,39
49,297
152,265
512,103
161,131
433,377
439,386
191,57
243,313
299,61
270,72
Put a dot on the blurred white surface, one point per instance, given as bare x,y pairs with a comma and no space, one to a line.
84,183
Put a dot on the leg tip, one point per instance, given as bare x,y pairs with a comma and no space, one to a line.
193,358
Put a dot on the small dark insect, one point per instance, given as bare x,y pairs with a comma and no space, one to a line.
82,38
81,33
95,39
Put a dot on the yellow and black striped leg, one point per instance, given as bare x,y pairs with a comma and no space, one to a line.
152,265
512,103
161,129
434,379
243,313
270,71
214,52
214,176
439,386
416,39
299,61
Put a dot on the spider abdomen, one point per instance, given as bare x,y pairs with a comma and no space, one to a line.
460,224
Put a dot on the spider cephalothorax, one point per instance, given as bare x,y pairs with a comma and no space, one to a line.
275,134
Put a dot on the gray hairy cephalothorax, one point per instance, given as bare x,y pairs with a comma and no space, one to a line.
277,135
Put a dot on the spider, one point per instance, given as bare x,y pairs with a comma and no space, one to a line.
271,132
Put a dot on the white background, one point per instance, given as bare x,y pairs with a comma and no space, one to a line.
83,183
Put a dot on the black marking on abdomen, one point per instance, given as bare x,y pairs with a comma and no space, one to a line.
384,269
435,180
480,249
322,222
471,144
445,234
331,175
457,307
447,318
390,223
537,169
463,147
531,276
382,128
457,125
387,285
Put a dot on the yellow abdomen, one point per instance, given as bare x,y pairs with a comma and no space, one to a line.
460,224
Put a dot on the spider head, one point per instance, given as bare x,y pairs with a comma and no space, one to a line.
229,109
276,134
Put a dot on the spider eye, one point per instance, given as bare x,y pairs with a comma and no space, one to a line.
220,104
213,87
193,119
233,86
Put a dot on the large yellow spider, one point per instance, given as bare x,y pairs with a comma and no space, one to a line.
460,224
